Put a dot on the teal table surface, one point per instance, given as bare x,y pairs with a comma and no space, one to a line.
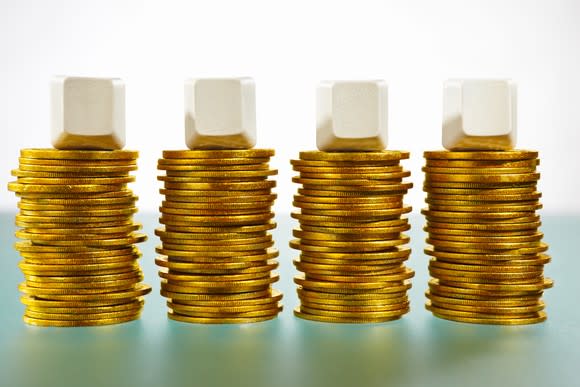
418,350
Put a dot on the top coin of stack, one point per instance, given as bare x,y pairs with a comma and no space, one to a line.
351,212
80,260
487,256
217,256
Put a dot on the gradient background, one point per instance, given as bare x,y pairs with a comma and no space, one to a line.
288,46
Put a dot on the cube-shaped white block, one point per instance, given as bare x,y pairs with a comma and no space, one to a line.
479,114
87,113
352,115
220,113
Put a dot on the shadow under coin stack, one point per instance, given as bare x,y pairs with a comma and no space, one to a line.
216,256
487,254
78,237
351,236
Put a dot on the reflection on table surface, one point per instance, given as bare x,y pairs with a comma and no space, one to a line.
416,350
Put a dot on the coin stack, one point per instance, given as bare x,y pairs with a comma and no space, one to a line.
487,254
217,258
351,236
78,237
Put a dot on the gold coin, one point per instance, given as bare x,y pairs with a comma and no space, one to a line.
85,278
223,310
271,299
80,188
33,302
177,279
206,168
460,217
213,211
64,170
79,233
346,287
75,181
531,224
486,256
397,252
219,153
78,316
495,170
483,246
217,200
220,229
112,285
488,310
79,213
360,315
497,321
364,200
187,176
535,261
217,268
79,154
187,166
217,297
220,320
350,207
174,194
351,184
507,302
354,156
368,214
487,198
191,288
27,246
221,256
497,238
345,320
324,193
460,201
206,244
482,155
345,163
402,274
373,177
77,162
475,267
443,233
486,209
261,205
352,299
86,254
468,276
361,258
137,290
435,285
96,310
362,231
363,309
94,322
251,186
478,313
443,163
346,246
223,237
527,286
241,220
79,206
49,293
324,236
511,190
336,189
350,170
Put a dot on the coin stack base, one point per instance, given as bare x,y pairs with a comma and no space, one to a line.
351,236
487,255
78,237
217,256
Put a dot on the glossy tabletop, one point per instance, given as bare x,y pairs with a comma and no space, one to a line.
417,350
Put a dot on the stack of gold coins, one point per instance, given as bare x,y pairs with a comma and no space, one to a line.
217,256
78,237
351,236
487,255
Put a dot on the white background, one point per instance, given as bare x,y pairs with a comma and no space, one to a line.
288,47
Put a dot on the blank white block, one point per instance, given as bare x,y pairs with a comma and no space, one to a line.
87,113
220,113
479,114
352,115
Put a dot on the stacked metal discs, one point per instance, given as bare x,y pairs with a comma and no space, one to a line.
217,254
351,236
487,255
78,237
